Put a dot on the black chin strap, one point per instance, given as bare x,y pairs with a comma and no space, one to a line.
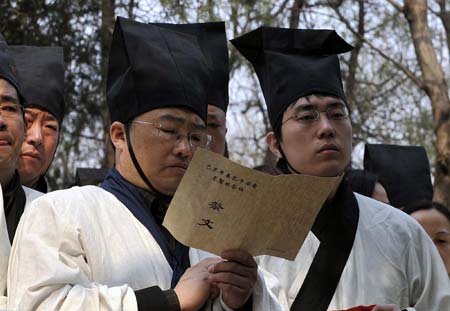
286,160
138,167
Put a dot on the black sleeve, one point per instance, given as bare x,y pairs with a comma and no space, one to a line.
154,298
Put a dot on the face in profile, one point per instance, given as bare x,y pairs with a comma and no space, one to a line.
11,128
39,147
437,225
164,141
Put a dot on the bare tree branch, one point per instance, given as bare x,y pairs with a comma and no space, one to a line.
281,8
396,5
400,66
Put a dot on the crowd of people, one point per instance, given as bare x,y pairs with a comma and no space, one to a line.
105,248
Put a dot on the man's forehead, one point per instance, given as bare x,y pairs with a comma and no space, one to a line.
35,111
315,102
215,112
215,116
7,88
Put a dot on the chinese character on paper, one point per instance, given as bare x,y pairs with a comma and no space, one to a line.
215,206
206,222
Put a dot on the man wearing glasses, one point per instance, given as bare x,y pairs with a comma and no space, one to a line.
359,251
93,248
41,74
14,198
212,40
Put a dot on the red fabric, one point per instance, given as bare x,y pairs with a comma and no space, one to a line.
361,308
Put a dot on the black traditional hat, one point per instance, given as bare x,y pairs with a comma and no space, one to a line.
404,171
8,69
41,76
293,63
152,67
213,42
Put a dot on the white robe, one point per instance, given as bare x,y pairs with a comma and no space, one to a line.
82,249
393,261
5,245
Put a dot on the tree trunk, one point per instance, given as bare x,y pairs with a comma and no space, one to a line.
350,82
435,86
295,13
106,30
445,18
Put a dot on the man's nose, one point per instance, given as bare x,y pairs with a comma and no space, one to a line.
34,135
183,147
3,123
326,126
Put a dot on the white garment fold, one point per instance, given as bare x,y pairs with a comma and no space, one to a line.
5,244
393,261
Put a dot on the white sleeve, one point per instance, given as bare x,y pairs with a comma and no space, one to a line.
48,269
428,279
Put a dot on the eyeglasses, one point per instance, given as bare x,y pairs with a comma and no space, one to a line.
11,111
308,115
171,134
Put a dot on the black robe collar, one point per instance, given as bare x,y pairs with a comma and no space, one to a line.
14,200
41,185
142,205
335,226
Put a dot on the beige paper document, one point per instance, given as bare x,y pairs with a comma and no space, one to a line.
222,205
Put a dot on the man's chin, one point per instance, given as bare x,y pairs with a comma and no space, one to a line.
331,171
8,160
170,188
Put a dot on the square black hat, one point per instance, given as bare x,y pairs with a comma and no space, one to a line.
41,76
152,67
404,171
293,63
8,69
213,42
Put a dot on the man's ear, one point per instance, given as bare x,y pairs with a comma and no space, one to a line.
273,144
118,137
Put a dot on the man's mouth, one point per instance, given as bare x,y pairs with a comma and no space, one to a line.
5,141
181,166
328,148
31,155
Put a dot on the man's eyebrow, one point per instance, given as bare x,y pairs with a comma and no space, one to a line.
336,103
310,106
31,112
198,126
181,120
50,117
303,107
443,232
9,99
213,116
172,118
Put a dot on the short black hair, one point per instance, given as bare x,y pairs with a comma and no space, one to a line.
427,205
